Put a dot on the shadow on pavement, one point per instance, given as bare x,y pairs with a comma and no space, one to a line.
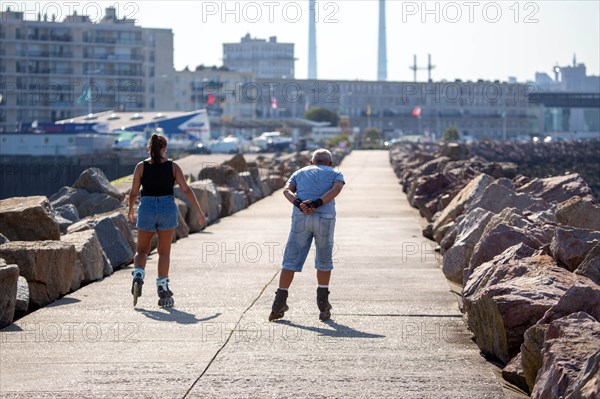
62,302
174,315
338,331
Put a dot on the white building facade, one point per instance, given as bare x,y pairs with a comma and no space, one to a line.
52,70
264,58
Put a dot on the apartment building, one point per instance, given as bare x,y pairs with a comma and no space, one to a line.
223,93
480,109
53,70
264,58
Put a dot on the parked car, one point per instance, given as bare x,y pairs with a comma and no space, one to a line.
227,145
199,149
272,141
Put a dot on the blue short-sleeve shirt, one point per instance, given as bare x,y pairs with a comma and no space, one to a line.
312,182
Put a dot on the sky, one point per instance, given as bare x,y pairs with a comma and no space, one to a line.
467,40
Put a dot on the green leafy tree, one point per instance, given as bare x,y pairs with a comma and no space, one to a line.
372,139
334,141
372,134
319,114
451,134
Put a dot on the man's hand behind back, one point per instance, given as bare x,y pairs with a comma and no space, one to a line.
306,208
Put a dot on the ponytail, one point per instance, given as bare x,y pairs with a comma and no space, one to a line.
155,146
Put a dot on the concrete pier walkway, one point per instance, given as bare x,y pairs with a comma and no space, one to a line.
396,331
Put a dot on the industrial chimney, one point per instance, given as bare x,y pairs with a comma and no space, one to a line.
312,41
382,53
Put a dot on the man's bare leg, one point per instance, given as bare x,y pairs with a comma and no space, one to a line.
323,278
286,278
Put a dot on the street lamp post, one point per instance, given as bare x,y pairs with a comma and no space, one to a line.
89,92
504,125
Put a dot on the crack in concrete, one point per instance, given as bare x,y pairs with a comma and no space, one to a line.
230,335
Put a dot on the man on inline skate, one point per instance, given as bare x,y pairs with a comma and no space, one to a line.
311,190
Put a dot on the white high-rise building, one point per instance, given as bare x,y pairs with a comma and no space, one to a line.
266,59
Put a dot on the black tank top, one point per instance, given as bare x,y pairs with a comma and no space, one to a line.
157,179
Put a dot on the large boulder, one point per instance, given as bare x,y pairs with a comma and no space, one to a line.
276,181
22,302
191,215
506,229
441,233
581,297
571,245
114,235
68,212
432,193
510,217
87,203
232,201
436,165
204,190
48,267
469,231
424,192
543,216
69,195
558,188
590,267
93,180
501,194
91,260
9,275
182,229
587,384
513,373
254,187
63,224
405,158
568,343
28,219
254,170
466,196
531,352
237,163
579,213
265,187
493,243
449,234
221,175
209,199
504,299
98,203
455,151
484,275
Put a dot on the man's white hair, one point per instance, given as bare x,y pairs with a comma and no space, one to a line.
322,156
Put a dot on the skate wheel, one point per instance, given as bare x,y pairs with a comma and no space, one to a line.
136,292
166,302
324,316
275,316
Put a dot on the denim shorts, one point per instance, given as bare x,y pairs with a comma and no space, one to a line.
319,227
157,213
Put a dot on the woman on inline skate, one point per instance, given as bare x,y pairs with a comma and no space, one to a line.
157,213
